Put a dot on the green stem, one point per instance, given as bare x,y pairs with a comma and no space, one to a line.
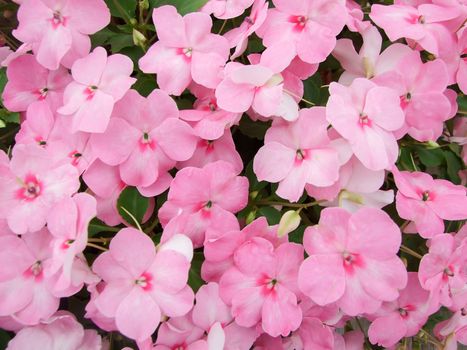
411,252
120,9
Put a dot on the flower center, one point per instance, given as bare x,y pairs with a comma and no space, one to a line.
31,188
426,196
188,51
300,154
212,106
350,261
249,21
145,281
90,91
299,21
57,20
364,120
66,244
448,272
35,270
42,93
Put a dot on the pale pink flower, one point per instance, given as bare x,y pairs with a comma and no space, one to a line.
366,115
368,62
427,201
180,332
298,153
29,82
59,332
145,138
442,271
203,196
225,9
59,30
186,51
141,284
99,82
31,185
238,37
404,316
355,256
453,330
37,127
262,286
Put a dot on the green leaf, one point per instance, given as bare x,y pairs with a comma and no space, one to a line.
134,202
4,339
120,41
3,80
145,85
272,215
313,89
9,117
430,157
253,129
97,226
462,103
101,37
454,164
122,8
194,275
183,6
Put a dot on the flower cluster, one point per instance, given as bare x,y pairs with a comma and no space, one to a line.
292,177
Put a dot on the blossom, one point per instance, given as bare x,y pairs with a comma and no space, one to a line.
367,115
142,284
31,185
29,82
262,286
226,9
58,30
427,201
355,256
186,51
98,82
145,138
298,153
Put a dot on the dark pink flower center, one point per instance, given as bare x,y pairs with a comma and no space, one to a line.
186,52
145,281
448,272
90,91
415,18
300,155
40,141
268,284
57,20
352,260
208,144
179,347
67,243
404,311
299,21
75,157
30,189
405,100
41,93
146,142
34,271
426,196
364,120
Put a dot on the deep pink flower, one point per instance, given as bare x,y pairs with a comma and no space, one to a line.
427,202
354,255
29,82
99,82
366,115
142,284
262,286
31,185
58,29
186,51
298,153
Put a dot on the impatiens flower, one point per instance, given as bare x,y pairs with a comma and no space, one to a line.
260,86
31,185
99,82
180,332
453,330
367,115
201,196
186,51
404,317
354,255
58,29
298,153
145,138
225,9
427,202
368,62
310,26
238,37
59,332
422,23
37,127
262,286
68,223
442,271
29,82
142,285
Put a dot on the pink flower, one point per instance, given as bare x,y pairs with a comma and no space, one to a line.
99,82
421,87
145,138
58,30
29,82
31,185
354,255
226,9
68,223
204,196
262,286
442,271
37,127
260,86
307,28
180,332
298,153
422,23
453,330
26,291
404,317
59,332
428,202
142,284
186,51
367,115
238,37
368,62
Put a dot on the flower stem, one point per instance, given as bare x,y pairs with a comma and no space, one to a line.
409,251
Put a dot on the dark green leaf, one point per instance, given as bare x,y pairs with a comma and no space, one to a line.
122,8
101,37
9,117
272,215
313,89
134,202
253,129
297,235
145,84
3,80
462,103
454,164
4,339
120,41
430,157
194,276
183,6
97,226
